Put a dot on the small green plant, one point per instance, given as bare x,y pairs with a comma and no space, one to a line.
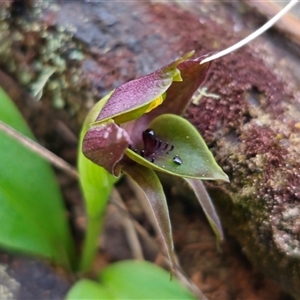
33,220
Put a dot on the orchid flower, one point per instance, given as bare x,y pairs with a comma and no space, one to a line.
138,130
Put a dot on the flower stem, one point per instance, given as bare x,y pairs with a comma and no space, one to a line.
89,250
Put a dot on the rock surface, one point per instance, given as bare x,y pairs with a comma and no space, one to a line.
72,53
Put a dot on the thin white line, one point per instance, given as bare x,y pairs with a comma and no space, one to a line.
253,35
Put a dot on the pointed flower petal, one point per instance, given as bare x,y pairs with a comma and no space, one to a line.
105,144
179,150
207,206
151,186
139,93
179,93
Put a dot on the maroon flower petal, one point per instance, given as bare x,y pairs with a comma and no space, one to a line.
139,92
105,144
179,93
178,96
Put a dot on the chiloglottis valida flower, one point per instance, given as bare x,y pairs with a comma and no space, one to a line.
138,129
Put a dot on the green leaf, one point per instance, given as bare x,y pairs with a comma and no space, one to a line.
151,186
96,184
207,206
131,280
197,160
142,280
88,289
32,214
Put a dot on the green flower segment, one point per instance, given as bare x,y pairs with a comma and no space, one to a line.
138,130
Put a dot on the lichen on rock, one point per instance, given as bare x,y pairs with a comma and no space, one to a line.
252,129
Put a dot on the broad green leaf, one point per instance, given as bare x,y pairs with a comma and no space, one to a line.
207,206
87,289
189,147
131,280
33,218
142,280
151,186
